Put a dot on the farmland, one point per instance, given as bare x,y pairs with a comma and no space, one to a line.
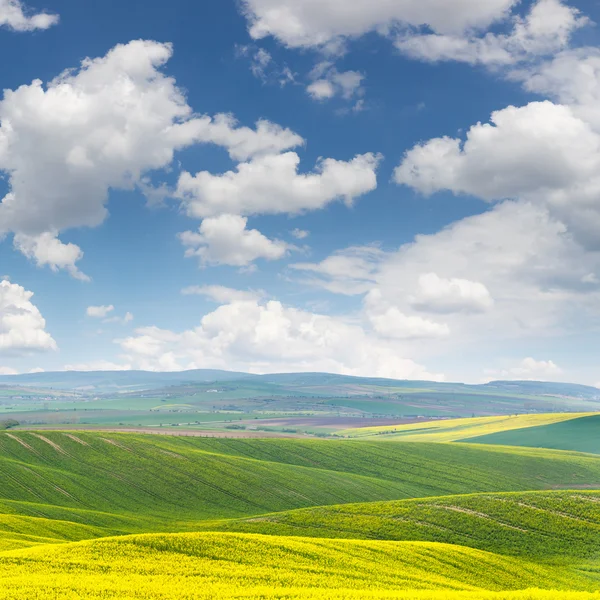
579,434
409,508
453,430
241,566
313,404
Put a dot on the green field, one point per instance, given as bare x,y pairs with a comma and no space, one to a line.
553,527
131,516
580,434
210,399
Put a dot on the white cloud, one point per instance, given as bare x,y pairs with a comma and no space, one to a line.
126,318
47,249
573,78
224,240
542,153
271,184
317,23
388,321
270,337
350,271
529,369
536,148
105,126
260,60
98,365
439,295
22,327
300,234
510,273
322,89
264,67
329,82
222,294
8,371
545,30
99,312
243,143
15,16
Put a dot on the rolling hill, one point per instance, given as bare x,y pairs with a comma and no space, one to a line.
127,483
101,515
578,432
217,565
581,434
543,526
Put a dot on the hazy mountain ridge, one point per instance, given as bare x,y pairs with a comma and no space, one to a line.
146,380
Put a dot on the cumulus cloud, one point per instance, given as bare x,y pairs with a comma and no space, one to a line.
126,318
22,327
529,369
300,234
99,312
103,126
243,143
508,273
388,321
439,295
103,312
97,365
270,337
545,30
328,82
8,371
350,271
318,23
272,185
47,249
541,153
225,240
573,78
222,294
16,16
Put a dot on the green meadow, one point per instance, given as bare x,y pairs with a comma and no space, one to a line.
99,514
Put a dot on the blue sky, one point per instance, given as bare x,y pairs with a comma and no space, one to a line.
405,189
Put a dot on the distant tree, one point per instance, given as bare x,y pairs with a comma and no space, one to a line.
8,424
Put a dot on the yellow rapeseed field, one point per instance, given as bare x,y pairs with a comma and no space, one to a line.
452,430
221,565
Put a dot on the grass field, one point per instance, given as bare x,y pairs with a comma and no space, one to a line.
453,430
544,526
294,518
581,434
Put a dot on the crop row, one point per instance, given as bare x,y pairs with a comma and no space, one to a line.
237,565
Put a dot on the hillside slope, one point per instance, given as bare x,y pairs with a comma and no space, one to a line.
581,434
213,565
544,526
111,484
452,430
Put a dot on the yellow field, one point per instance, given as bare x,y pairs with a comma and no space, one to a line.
222,565
452,430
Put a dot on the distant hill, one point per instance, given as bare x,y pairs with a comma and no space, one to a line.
539,388
112,380
145,380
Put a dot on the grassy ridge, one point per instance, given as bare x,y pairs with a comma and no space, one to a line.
130,483
198,478
252,566
580,434
555,526
453,430
145,475
59,488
